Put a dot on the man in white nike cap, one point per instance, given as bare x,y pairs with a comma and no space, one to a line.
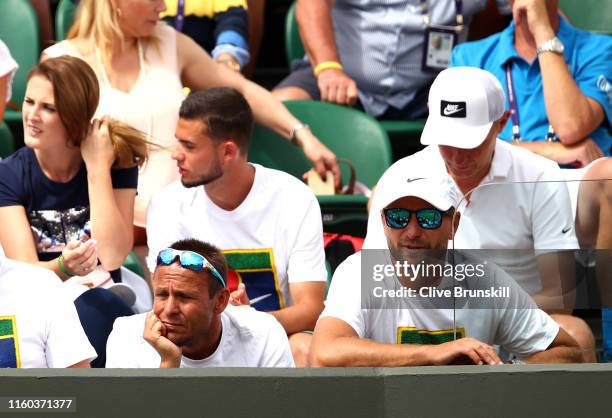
507,202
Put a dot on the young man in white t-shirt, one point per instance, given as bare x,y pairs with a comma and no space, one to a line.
513,204
191,324
267,222
39,324
406,319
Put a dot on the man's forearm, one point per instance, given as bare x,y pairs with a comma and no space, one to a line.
560,354
544,148
316,29
357,352
567,108
299,317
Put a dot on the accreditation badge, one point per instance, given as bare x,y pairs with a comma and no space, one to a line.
439,42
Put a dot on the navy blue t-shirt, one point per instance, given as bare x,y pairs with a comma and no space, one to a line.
58,212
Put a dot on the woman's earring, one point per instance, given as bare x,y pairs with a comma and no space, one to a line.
119,12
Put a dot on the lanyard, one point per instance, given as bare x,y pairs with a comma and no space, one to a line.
180,16
458,5
514,113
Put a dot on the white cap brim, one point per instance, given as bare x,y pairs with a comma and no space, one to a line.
446,131
438,192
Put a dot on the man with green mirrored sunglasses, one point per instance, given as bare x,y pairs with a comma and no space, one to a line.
397,308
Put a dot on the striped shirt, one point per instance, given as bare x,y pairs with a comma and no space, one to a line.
380,45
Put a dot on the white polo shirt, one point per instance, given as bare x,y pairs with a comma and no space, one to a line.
519,205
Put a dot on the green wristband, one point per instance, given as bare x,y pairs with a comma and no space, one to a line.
62,268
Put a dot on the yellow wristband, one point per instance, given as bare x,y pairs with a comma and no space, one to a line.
327,65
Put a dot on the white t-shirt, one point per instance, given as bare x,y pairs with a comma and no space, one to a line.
248,339
272,239
514,322
39,325
7,66
515,207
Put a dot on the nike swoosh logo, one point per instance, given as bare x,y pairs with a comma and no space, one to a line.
411,180
259,298
448,112
565,230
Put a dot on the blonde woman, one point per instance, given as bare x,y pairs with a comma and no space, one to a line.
142,65
67,198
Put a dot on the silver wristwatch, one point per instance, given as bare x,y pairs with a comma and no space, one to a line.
552,45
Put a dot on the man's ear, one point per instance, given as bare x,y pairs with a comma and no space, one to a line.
221,300
502,122
229,150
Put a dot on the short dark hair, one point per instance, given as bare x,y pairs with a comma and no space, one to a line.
212,254
225,113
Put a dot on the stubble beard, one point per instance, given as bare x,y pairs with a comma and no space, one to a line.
208,178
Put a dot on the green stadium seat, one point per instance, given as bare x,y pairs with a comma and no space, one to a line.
347,132
7,143
133,264
64,17
19,31
398,127
591,15
293,43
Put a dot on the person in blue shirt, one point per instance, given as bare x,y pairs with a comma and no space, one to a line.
560,77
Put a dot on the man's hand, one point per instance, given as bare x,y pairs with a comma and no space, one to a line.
239,296
337,87
463,349
580,154
155,334
536,15
229,61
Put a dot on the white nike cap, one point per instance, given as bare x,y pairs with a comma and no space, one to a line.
463,104
418,181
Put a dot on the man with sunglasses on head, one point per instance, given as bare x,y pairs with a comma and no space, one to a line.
366,323
510,197
191,324
267,223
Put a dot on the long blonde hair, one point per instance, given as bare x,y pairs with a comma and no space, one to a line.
76,94
97,23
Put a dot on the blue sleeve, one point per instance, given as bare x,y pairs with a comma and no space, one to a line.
11,188
458,57
232,26
594,73
232,34
124,178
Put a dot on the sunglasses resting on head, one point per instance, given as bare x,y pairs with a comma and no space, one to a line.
189,260
399,218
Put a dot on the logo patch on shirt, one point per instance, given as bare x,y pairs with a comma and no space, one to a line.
412,335
452,109
9,344
255,268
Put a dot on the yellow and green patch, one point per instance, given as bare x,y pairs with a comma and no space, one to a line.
9,343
